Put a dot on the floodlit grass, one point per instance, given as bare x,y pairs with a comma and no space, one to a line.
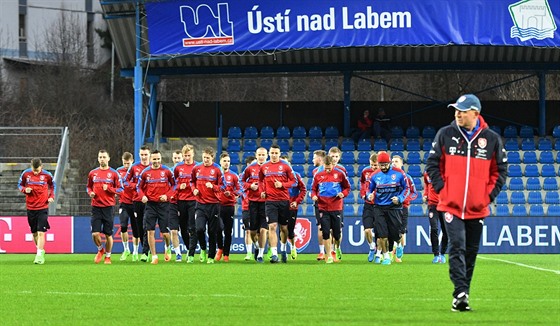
71,289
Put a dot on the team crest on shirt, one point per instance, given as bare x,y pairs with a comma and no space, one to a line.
431,214
393,177
42,178
302,234
482,142
336,175
280,168
109,175
212,171
448,217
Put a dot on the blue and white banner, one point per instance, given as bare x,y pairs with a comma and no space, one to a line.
214,26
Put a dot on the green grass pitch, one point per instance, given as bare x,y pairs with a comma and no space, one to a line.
72,290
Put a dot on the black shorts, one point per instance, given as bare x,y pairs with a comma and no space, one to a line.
387,223
173,219
246,218
102,220
277,211
258,216
368,216
404,221
38,220
330,220
126,213
156,213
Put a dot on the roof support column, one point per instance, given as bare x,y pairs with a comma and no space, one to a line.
347,86
138,137
542,104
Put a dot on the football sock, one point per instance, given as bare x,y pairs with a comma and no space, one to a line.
321,249
135,248
107,254
250,248
372,246
177,250
282,246
274,251
99,248
261,252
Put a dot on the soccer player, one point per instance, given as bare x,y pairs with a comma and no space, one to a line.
432,199
367,215
103,184
412,194
297,194
391,188
335,153
253,188
207,182
39,189
186,200
174,216
228,198
318,160
277,178
155,187
328,189
139,234
126,209
246,216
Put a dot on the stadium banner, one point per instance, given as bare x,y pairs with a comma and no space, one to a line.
16,237
222,26
503,235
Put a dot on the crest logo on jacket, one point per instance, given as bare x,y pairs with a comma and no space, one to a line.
482,142
302,234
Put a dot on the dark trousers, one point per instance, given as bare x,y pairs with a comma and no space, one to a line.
207,214
139,208
226,225
464,241
186,214
435,217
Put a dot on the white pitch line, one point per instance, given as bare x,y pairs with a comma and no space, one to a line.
522,265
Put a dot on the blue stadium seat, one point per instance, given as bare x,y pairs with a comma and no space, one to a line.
396,153
251,132
544,144
364,145
347,145
510,132
412,145
558,157
534,198
517,197
519,210
315,132
233,168
284,145
551,198
536,210
397,132
515,184
380,145
412,132
331,132
526,132
511,144
502,198
425,157
502,210
556,132
299,132
496,129
283,132
329,143
350,199
349,210
234,158
234,132
529,157
300,210
533,184
514,170
528,144
249,145
396,144
233,145
245,155
414,170
267,132
417,200
361,168
547,170
557,144
428,132
315,144
266,143
299,145
531,170
553,210
298,158
350,172
347,158
419,183
427,144
416,210
363,158
361,209
546,157
299,169
413,158
513,157
550,183
309,210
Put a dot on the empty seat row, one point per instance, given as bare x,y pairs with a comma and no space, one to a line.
528,144
532,183
531,157
533,197
532,170
521,210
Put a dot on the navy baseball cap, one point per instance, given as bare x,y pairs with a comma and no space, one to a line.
467,102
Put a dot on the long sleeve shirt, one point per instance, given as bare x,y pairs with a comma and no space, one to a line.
249,176
42,187
297,192
230,185
131,179
278,171
97,178
388,185
154,183
326,186
183,175
202,174
125,197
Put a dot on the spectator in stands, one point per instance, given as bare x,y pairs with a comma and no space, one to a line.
39,189
468,167
363,131
381,125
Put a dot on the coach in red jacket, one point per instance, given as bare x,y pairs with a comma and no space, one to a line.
468,167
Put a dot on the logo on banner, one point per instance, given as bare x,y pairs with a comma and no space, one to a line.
206,26
302,234
532,19
15,236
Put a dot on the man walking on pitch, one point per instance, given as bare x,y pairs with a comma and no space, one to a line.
126,208
468,167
